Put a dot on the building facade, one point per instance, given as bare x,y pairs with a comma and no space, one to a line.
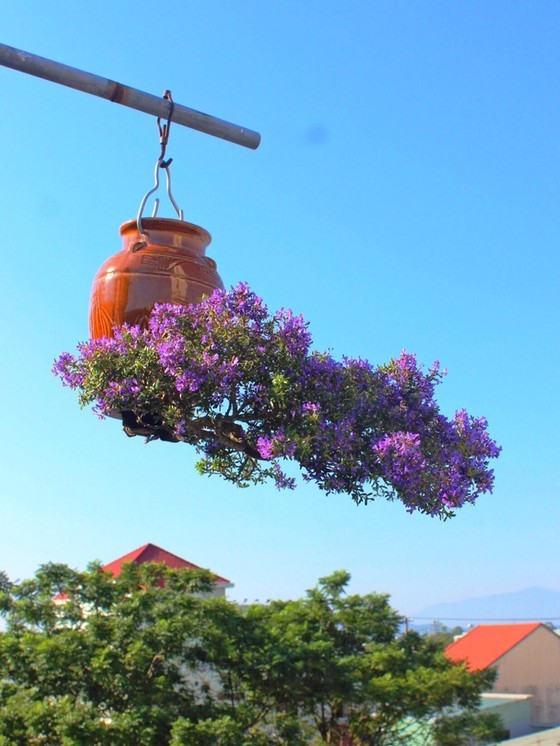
526,658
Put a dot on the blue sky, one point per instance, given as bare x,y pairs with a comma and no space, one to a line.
405,195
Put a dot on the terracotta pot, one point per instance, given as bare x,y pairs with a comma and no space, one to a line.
166,265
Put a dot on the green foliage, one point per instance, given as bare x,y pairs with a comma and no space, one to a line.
152,658
482,729
222,731
443,633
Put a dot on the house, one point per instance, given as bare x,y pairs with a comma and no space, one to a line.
513,709
526,658
155,554
549,737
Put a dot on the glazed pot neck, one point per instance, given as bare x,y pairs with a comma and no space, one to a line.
166,232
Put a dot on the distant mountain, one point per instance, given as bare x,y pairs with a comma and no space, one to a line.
530,604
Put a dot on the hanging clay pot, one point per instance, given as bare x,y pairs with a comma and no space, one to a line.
166,264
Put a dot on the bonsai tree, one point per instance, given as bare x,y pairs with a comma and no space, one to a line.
243,386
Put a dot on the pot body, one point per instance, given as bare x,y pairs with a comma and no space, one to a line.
170,266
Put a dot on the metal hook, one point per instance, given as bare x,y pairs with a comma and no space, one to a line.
160,163
168,189
164,130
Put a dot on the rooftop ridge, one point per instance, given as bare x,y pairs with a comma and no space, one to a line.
487,643
136,555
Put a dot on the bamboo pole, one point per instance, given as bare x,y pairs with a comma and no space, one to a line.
122,94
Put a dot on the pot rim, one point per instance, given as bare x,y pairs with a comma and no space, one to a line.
165,224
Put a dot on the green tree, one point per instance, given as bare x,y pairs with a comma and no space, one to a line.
443,633
151,658
339,663
87,658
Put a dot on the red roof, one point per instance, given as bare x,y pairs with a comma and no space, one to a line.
482,646
153,553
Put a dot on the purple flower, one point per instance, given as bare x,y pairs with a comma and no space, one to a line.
265,447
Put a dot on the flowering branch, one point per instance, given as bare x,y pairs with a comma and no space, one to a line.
242,386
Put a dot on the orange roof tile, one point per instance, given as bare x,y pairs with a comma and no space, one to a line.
153,553
482,646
